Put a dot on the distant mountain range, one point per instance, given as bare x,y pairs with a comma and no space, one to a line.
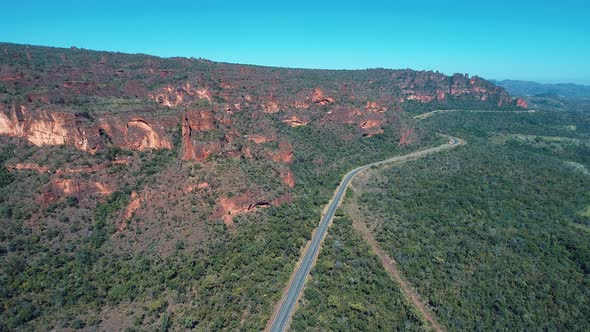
528,88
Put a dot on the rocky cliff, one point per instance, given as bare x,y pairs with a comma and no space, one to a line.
99,101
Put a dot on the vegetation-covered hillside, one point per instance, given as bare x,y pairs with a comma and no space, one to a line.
493,235
145,193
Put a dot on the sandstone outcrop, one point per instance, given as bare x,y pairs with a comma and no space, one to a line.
522,103
259,139
270,107
193,187
184,94
407,137
28,167
193,123
296,121
319,98
228,207
284,154
374,107
82,131
288,177
81,189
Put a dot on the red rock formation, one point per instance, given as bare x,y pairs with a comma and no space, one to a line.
203,93
373,131
296,121
192,123
374,107
247,152
141,136
134,204
28,167
370,124
71,187
136,201
270,107
259,139
183,94
407,137
200,120
319,98
199,186
284,154
228,207
522,103
343,115
44,127
226,85
300,104
288,177
425,98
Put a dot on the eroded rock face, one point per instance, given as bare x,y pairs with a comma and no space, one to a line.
259,139
427,87
28,167
422,97
184,94
50,128
522,103
407,137
200,120
193,123
194,187
270,107
228,207
296,121
134,204
301,104
374,107
288,177
141,136
319,98
81,189
284,154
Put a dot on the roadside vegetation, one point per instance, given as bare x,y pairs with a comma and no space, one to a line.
493,234
69,269
349,290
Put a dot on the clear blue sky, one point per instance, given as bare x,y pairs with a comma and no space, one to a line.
547,41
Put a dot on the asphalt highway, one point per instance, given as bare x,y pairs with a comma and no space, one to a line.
281,320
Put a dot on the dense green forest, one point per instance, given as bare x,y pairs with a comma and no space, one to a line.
68,271
494,234
126,236
350,291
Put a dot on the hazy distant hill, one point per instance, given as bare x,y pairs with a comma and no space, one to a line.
528,88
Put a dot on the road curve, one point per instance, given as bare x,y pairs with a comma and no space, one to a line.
282,318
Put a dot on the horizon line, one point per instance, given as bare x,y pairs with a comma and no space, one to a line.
549,81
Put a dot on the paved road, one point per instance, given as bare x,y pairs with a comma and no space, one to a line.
281,320
429,114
